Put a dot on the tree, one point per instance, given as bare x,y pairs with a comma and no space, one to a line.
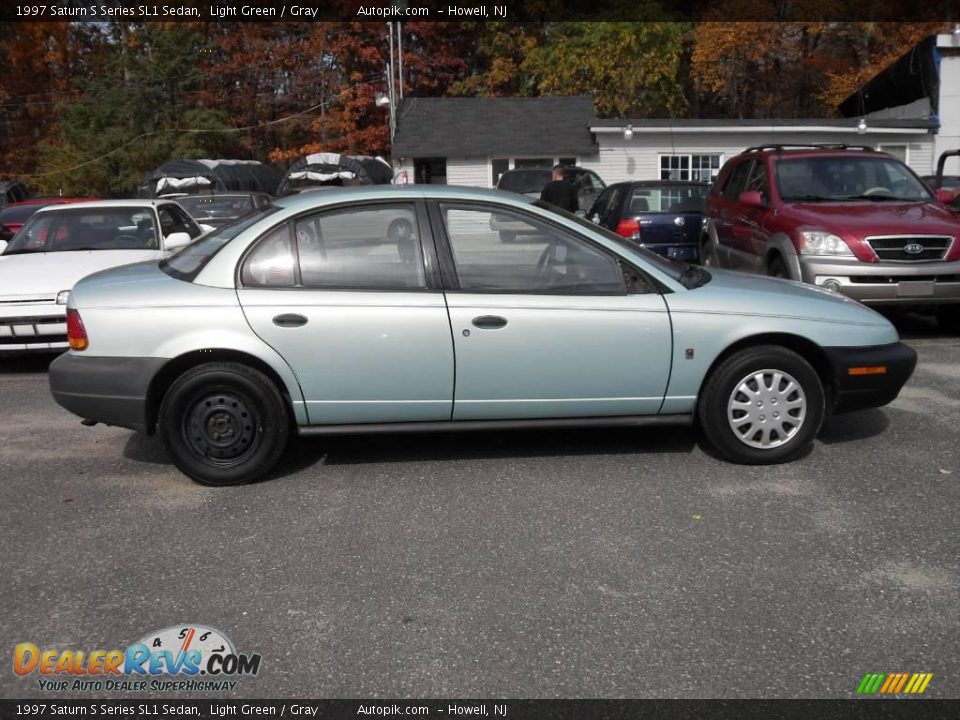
134,114
630,69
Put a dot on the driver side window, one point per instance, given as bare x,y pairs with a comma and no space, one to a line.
508,252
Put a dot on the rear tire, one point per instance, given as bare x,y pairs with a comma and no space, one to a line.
223,424
761,406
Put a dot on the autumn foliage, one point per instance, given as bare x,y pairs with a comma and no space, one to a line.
89,108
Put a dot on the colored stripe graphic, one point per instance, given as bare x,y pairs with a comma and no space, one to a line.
894,683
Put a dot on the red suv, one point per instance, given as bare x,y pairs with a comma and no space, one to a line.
849,219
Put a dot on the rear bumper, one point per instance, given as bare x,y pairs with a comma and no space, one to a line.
886,283
109,390
869,388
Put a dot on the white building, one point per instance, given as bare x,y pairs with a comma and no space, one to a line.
911,110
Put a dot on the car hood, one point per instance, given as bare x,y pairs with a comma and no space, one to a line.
49,273
739,293
855,220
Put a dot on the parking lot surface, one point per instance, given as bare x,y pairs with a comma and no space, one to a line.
598,563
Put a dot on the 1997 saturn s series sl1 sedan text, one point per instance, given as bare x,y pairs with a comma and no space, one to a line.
284,319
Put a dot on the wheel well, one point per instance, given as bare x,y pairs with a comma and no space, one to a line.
807,349
773,254
177,366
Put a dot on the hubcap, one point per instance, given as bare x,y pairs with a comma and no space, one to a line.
222,428
766,409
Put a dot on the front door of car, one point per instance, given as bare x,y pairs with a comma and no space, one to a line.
349,298
547,327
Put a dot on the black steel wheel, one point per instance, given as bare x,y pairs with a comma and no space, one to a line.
223,423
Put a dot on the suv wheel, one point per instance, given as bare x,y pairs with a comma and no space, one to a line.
762,405
223,424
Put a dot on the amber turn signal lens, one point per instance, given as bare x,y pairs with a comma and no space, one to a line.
76,333
871,370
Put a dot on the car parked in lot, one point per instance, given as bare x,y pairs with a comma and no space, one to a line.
14,215
665,216
530,181
257,329
221,208
850,220
60,244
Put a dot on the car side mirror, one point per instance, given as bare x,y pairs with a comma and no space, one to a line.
752,198
3,246
175,241
944,197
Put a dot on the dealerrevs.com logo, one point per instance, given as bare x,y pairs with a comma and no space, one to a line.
196,657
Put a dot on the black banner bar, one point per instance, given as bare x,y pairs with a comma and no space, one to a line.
160,709
946,11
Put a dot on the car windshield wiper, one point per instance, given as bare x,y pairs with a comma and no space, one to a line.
879,198
810,198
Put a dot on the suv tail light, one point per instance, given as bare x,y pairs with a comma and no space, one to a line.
76,333
629,228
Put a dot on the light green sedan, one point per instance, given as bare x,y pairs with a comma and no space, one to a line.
308,316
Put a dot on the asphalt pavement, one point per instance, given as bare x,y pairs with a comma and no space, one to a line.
598,563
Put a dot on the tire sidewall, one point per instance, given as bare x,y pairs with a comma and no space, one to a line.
257,389
712,410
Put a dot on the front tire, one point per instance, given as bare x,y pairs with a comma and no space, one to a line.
223,424
762,405
777,268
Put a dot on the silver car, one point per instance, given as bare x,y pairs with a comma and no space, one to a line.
285,321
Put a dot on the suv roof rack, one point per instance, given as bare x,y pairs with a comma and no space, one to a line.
821,146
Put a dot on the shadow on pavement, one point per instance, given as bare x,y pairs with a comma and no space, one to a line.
31,363
853,426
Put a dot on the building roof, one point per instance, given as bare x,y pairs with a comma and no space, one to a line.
508,127
915,75
688,125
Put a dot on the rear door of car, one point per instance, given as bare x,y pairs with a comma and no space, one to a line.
550,326
733,245
356,309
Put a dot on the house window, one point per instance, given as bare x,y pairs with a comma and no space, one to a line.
898,151
701,168
430,171
533,163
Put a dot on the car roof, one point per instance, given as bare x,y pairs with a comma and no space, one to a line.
94,204
815,152
662,183
335,195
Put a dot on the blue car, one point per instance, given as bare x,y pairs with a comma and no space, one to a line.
311,316
665,216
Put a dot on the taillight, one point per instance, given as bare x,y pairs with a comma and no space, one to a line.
76,333
629,228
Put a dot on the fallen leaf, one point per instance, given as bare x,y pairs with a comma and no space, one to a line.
697,517
944,471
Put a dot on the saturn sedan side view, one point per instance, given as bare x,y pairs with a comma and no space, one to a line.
280,322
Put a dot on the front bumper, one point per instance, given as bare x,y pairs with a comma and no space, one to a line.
40,327
857,387
109,390
886,283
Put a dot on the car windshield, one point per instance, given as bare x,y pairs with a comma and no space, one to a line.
216,207
190,260
666,198
848,177
76,229
524,181
690,276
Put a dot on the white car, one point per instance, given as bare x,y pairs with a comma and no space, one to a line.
61,244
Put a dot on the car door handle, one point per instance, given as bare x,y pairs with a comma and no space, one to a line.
290,320
489,322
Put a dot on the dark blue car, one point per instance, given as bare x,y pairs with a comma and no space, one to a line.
665,216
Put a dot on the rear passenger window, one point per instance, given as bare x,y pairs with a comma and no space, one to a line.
373,248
